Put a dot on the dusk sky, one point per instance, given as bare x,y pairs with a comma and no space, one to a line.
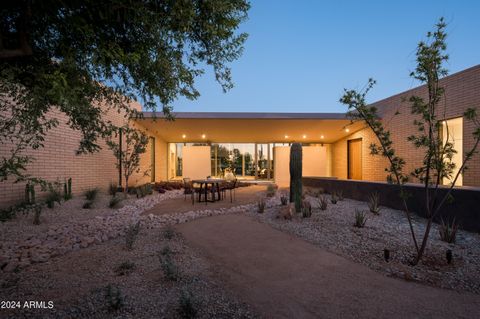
301,54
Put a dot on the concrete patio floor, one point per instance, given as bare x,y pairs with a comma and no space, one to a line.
285,277
243,195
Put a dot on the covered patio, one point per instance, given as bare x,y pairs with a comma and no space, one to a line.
255,146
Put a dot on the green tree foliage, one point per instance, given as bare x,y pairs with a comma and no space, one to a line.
76,55
438,153
129,152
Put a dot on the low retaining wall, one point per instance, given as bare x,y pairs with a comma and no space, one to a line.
465,207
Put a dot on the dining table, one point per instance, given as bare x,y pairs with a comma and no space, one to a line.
203,190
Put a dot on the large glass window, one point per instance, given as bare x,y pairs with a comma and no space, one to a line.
245,160
175,160
452,132
237,158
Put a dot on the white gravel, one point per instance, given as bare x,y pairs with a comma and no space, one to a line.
333,230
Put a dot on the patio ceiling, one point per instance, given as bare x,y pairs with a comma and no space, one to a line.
251,127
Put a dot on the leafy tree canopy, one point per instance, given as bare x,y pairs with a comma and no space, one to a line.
73,53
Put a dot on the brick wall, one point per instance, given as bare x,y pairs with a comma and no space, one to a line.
462,90
57,161
372,166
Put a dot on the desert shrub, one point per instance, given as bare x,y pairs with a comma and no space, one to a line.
306,209
322,202
24,208
261,206
148,189
7,214
271,190
168,232
88,204
114,201
91,194
448,231
53,196
187,305
112,189
284,200
339,194
114,298
166,251
169,268
36,214
374,203
131,235
139,191
334,198
360,218
125,268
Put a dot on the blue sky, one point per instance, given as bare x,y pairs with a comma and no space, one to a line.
301,54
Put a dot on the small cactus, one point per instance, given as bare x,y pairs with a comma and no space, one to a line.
296,176
29,193
67,190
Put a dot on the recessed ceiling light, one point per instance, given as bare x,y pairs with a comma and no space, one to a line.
347,130
183,136
286,136
304,136
203,135
321,136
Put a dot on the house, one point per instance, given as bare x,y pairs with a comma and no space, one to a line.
255,146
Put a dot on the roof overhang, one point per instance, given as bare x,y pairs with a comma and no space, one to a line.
222,127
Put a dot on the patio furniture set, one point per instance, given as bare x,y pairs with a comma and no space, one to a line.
209,189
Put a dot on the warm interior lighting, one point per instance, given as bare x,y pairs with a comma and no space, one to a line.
304,136
286,136
184,136
347,130
203,135
321,136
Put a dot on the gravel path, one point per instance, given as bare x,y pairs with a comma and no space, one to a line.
333,230
285,277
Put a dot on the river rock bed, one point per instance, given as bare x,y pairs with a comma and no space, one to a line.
69,228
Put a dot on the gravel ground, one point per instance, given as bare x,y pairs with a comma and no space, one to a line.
333,230
77,282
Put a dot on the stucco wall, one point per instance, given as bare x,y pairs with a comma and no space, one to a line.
314,163
196,162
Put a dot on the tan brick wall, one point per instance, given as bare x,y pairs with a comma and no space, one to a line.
372,166
462,90
57,161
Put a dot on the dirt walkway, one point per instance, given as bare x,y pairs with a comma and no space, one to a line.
286,277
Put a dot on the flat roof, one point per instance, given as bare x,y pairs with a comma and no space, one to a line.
250,115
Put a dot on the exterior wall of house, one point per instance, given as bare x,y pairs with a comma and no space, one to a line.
315,162
57,160
372,166
462,90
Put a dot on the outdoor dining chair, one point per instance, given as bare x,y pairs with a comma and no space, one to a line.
189,189
229,186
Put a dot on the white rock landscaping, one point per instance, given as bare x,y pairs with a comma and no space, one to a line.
62,238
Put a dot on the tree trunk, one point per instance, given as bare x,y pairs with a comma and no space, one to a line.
126,186
424,242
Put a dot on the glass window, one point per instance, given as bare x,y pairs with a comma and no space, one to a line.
452,132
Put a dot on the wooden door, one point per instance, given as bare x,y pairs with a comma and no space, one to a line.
354,151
